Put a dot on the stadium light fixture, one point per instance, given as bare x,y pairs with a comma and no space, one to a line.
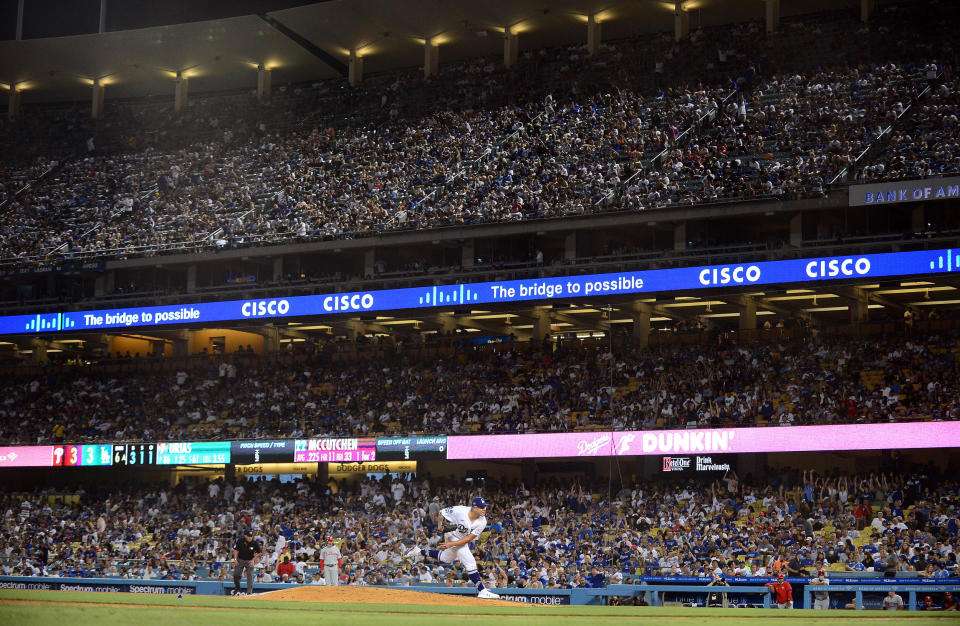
926,290
934,302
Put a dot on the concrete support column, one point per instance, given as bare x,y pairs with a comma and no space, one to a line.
680,236
181,346
641,325
773,15
918,219
528,471
860,307
96,99
355,328
191,278
796,230
541,327
271,340
263,83
40,356
278,269
98,284
356,69
593,34
570,246
448,324
369,262
13,104
431,58
748,314
109,281
681,22
467,254
510,48
180,93
867,8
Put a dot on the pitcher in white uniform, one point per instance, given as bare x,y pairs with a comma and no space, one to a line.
460,525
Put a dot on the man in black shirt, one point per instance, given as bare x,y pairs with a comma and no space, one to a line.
245,553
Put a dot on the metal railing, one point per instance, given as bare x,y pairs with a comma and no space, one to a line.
874,144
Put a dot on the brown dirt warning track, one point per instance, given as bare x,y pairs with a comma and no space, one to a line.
366,595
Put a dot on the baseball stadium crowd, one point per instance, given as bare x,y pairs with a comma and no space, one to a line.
551,536
646,123
519,387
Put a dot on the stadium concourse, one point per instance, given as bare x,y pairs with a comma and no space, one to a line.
725,115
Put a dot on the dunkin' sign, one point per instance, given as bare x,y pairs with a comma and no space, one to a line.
708,440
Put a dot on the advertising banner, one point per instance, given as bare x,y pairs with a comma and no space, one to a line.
708,440
26,456
98,586
536,598
375,467
278,468
747,274
695,463
901,191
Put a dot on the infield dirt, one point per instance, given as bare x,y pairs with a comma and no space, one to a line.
369,595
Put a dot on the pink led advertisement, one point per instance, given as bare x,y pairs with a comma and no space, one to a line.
26,456
725,440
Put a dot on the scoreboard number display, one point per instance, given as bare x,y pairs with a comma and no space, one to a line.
411,448
81,455
132,454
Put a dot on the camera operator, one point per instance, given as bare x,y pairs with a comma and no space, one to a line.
717,599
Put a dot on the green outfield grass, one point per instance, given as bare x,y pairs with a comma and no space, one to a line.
102,609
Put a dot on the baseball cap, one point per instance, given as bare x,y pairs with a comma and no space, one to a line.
928,599
479,503
247,531
780,575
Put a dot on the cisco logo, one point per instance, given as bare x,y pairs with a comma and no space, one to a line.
356,302
827,268
725,275
261,308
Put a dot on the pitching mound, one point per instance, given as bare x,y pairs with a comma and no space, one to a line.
376,595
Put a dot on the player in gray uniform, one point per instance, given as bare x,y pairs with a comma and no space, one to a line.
821,599
461,525
331,557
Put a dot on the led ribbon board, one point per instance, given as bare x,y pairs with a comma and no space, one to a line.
708,441
868,266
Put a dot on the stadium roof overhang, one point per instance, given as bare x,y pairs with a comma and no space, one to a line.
223,54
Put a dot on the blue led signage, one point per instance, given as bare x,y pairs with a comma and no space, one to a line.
446,296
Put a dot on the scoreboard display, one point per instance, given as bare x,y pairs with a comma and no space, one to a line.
349,450
82,455
250,452
193,453
131,454
407,448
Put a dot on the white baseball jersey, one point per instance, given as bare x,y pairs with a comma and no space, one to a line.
460,515
329,554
